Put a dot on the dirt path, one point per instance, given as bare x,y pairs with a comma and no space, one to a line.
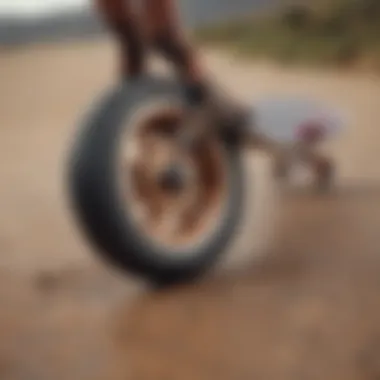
308,311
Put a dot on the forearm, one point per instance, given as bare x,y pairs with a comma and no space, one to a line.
119,18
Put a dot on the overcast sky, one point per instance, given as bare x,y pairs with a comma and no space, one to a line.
192,11
30,8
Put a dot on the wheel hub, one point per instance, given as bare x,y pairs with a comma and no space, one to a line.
176,196
173,179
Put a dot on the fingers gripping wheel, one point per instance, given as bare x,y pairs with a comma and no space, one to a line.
133,221
232,119
234,129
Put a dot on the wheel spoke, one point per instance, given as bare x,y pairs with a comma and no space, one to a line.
131,155
169,221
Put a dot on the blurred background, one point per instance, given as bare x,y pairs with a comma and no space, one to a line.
298,294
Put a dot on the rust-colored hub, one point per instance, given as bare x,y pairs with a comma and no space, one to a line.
174,218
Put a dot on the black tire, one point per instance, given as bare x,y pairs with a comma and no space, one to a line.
98,206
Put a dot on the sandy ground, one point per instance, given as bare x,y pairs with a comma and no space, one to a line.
309,309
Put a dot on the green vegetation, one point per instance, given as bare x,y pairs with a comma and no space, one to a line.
345,32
